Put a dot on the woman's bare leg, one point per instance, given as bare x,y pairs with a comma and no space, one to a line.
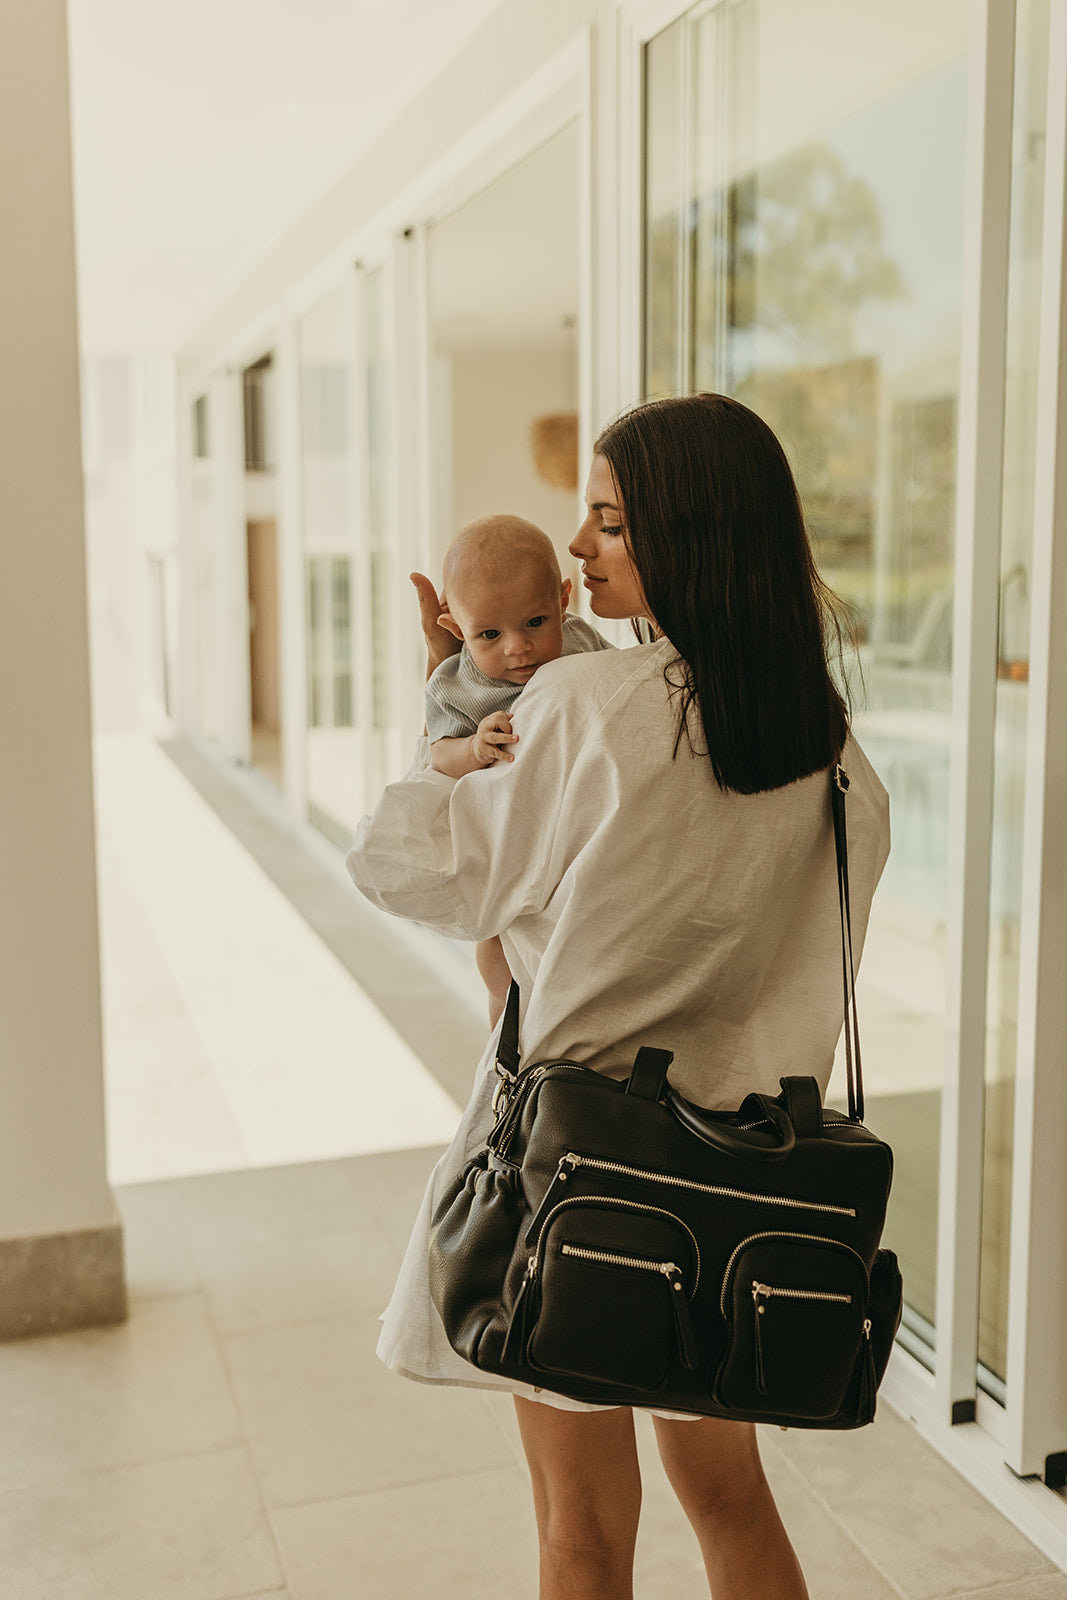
496,975
715,1470
587,1499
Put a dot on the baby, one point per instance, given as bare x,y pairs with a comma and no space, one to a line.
505,598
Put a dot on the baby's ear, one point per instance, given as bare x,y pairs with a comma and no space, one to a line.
450,625
564,595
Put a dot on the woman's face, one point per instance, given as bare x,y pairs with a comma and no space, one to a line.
602,546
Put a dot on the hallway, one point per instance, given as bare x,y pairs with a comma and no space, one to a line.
272,1126
238,1438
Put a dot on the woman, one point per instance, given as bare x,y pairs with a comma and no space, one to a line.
658,862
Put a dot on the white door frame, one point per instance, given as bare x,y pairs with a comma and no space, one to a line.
1001,1444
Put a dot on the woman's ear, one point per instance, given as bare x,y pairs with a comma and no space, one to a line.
564,595
449,623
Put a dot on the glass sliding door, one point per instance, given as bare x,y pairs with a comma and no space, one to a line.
383,744
804,253
327,343
1013,672
207,542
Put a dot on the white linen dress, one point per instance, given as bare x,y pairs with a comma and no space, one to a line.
637,904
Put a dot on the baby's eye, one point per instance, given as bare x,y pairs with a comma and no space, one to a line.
489,633
536,622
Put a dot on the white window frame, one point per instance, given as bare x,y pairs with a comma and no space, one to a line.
1000,1450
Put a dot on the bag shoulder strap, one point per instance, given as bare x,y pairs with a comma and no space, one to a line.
853,1066
507,1044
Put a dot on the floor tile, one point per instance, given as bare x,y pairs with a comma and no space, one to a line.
308,1279
668,1556
834,1565
158,1257
392,1184
501,1408
342,1113
918,1521
171,1127
324,1418
153,1387
231,1211
1051,1587
462,1538
193,1528
234,1035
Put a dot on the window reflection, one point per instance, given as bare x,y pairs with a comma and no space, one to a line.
329,481
804,230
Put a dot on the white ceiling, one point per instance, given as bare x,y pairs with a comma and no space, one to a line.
203,130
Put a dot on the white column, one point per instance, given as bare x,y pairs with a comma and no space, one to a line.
60,1243
987,219
1037,1304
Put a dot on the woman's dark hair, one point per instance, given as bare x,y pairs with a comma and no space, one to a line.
718,541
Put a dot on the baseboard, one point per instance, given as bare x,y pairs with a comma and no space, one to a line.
59,1281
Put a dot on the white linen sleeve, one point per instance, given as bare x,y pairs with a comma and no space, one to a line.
469,856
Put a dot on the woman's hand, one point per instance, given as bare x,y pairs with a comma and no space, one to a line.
440,644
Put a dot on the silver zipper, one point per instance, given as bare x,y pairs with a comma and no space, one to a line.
626,1205
599,1165
688,1349
608,1259
768,1291
776,1233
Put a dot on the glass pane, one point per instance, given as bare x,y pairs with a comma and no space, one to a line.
665,134
822,215
210,622
328,450
1031,75
383,738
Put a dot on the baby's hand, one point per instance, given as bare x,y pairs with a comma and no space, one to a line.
494,732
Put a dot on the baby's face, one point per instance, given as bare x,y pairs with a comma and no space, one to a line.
512,625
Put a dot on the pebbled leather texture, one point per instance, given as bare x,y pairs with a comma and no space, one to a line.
583,1251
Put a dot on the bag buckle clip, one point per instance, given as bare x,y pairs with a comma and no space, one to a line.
502,1092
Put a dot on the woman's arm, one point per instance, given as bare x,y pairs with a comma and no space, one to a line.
469,857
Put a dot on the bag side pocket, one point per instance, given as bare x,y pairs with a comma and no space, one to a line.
472,1242
614,1283
796,1308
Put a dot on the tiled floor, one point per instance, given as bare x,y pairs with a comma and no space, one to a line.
233,1036
237,1438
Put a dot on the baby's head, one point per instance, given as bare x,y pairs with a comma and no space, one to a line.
505,596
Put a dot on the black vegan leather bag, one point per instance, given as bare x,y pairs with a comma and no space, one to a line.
617,1244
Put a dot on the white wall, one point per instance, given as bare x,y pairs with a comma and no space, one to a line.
520,37
495,397
52,1165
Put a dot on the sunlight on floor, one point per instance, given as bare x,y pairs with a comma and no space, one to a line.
233,1037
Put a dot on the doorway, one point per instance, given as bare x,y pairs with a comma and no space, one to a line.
503,311
261,566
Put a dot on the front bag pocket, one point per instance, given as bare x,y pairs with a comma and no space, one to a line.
614,1280
796,1312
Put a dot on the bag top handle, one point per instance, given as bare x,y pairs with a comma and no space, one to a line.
507,1046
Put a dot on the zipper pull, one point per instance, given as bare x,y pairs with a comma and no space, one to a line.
868,1377
515,1340
760,1291
683,1321
568,1166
